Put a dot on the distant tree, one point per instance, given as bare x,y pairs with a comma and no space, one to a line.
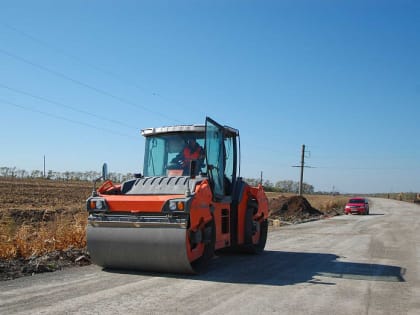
78,175
4,171
268,183
285,185
36,174
252,181
307,189
291,186
13,171
21,173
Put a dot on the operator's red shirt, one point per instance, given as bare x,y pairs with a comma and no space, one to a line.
191,154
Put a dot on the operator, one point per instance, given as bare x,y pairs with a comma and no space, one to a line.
192,152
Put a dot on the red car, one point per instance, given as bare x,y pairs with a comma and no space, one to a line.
357,205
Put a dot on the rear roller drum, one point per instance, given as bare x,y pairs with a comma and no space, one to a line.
255,231
209,240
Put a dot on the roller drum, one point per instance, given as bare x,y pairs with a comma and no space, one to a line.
149,249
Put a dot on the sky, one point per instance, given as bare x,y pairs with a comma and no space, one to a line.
79,80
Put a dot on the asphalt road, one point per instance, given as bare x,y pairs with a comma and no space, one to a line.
343,265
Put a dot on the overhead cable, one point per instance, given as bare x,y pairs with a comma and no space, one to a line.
88,86
66,119
44,99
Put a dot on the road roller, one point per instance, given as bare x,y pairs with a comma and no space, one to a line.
187,205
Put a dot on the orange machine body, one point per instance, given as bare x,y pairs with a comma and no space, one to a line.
203,209
174,217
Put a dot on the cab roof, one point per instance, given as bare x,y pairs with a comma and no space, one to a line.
172,129
184,128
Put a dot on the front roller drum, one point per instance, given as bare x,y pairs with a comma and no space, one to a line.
149,249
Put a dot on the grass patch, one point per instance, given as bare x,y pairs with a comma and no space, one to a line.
34,239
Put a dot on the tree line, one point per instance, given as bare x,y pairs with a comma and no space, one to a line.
14,172
288,186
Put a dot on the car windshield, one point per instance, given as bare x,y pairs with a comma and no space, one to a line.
165,154
356,201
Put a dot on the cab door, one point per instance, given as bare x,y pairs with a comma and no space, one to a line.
215,157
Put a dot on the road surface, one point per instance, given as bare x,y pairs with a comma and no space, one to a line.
343,265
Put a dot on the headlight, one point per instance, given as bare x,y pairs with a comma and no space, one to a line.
99,204
176,205
172,205
96,204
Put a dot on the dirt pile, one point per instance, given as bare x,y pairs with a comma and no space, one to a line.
292,209
57,260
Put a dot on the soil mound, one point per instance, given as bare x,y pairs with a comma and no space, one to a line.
57,260
292,209
15,268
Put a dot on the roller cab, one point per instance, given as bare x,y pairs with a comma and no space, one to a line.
189,203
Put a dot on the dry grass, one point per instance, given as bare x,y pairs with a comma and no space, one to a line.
34,239
41,216
327,202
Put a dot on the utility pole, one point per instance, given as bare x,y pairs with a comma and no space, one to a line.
302,166
261,178
44,165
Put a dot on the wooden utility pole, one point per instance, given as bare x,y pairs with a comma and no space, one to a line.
302,166
44,166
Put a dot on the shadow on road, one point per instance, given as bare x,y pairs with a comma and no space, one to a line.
279,268
285,268
369,215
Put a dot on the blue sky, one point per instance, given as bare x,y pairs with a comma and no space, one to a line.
79,79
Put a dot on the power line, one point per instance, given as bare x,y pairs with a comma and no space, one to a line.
65,106
73,57
81,61
85,85
66,119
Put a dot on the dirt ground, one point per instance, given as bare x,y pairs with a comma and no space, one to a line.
38,203
43,194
